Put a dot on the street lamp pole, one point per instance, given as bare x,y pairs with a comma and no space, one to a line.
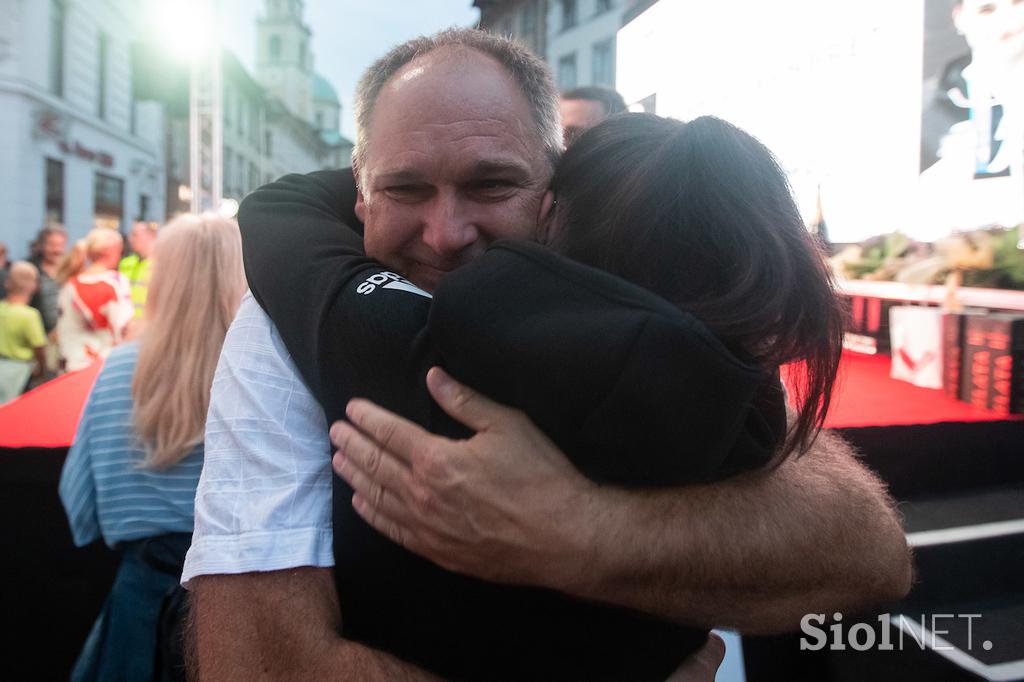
195,136
206,119
216,113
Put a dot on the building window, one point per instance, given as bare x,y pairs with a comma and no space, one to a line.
228,101
602,6
319,120
57,17
569,18
101,75
302,55
567,72
54,191
268,144
108,202
143,208
603,62
274,48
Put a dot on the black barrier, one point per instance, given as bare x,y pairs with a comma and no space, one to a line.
945,475
52,590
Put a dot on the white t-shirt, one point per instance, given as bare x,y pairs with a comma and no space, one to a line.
264,497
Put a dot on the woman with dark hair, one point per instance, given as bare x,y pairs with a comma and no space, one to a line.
704,217
645,339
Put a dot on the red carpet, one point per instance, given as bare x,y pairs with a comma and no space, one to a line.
866,396
47,416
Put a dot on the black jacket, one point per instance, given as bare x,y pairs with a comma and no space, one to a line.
633,391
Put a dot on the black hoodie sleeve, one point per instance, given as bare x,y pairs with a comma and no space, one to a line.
633,390
305,264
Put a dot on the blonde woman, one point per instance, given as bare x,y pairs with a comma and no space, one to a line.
95,301
131,474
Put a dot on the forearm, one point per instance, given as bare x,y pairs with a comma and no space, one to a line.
281,625
755,552
40,355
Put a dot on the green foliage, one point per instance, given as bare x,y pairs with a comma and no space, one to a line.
1007,270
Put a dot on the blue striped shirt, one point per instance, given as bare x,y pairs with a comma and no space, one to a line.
104,490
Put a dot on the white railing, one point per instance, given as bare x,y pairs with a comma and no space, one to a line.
998,299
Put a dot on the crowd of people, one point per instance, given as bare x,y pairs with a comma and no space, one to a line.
627,301
62,309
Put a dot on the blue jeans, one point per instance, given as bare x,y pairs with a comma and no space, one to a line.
123,640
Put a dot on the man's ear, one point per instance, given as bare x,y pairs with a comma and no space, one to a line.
360,207
545,217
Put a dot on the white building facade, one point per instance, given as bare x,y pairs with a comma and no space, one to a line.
575,37
581,41
75,148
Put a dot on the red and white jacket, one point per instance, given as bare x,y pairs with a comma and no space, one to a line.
94,309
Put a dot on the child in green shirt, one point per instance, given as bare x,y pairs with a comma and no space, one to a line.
22,338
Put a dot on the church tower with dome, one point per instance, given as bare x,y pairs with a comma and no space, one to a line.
284,57
326,110
284,68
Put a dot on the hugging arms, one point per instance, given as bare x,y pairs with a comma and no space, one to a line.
755,552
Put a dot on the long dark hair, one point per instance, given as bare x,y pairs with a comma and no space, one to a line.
702,214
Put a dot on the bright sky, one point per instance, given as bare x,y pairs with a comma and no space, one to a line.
348,35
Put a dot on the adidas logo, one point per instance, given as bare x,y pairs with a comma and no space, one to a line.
389,280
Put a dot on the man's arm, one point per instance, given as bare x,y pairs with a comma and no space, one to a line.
279,625
263,596
755,552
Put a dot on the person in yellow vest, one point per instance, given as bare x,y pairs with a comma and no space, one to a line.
137,266
22,339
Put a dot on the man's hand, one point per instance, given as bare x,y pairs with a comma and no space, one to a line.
703,665
504,505
755,552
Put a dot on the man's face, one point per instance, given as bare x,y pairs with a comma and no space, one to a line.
53,247
577,116
453,162
994,28
141,239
